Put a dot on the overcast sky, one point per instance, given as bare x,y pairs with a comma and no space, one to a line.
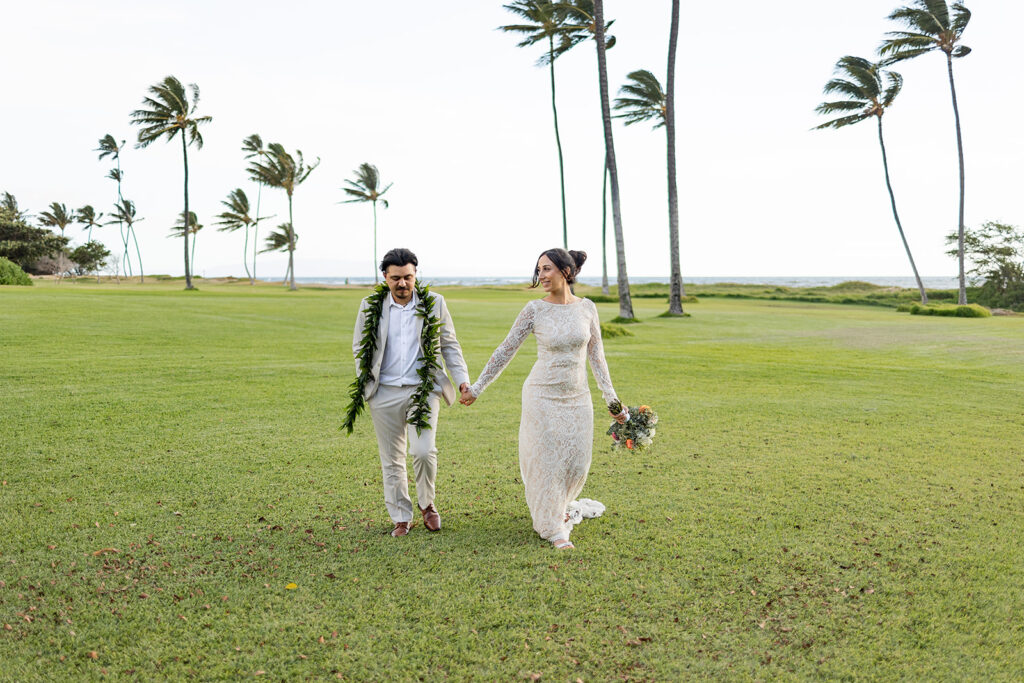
459,119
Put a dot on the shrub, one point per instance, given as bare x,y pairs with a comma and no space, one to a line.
609,330
12,274
951,310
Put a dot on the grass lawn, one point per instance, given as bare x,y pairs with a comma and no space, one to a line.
834,492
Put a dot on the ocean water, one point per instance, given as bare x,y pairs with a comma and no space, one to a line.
782,280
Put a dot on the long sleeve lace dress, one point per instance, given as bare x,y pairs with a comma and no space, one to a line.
556,432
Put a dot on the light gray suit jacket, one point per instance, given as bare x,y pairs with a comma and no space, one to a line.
451,352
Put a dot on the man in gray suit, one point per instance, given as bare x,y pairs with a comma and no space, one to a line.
391,390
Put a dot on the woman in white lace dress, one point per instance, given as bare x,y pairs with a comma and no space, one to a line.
556,432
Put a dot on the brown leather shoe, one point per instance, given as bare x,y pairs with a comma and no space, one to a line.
431,519
401,529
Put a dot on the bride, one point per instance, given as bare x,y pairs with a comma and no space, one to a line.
556,432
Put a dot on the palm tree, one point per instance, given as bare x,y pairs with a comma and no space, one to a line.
585,27
108,146
544,22
868,91
237,216
57,217
646,101
366,188
280,169
625,301
169,113
194,226
253,147
124,215
88,217
934,25
283,238
10,204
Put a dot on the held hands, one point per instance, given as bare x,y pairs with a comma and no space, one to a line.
621,417
467,396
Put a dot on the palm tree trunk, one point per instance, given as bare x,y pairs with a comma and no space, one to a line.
142,276
195,238
245,254
558,142
184,153
124,238
374,242
625,301
255,230
962,299
604,230
291,245
675,302
124,241
899,226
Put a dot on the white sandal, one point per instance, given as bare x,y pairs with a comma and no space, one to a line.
562,544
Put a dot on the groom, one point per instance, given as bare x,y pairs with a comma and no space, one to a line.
403,405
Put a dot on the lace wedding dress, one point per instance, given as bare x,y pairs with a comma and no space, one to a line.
556,432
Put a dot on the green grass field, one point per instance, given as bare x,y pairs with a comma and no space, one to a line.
834,492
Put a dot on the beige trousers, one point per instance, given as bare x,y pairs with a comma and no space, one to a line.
389,407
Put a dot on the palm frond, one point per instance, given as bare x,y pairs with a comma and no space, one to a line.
237,214
961,16
892,89
253,146
282,238
826,108
57,217
124,212
647,101
868,89
843,121
166,110
194,226
108,147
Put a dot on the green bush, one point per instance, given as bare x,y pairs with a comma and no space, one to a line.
951,310
12,274
609,330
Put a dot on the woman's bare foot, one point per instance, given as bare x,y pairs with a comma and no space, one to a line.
562,544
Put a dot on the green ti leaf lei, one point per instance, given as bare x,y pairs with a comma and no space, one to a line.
419,411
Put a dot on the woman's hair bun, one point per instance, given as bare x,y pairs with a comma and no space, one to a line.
579,257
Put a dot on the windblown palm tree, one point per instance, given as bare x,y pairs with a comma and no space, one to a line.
366,188
88,217
237,217
10,204
280,169
283,238
934,25
253,147
109,147
543,22
625,300
646,101
194,226
169,113
580,27
57,217
124,215
868,91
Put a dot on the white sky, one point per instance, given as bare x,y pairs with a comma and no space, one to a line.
460,120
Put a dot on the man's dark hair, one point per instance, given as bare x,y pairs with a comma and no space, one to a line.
398,257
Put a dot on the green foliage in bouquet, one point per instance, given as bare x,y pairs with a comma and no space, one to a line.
637,433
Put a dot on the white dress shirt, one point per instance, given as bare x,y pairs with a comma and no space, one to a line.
402,351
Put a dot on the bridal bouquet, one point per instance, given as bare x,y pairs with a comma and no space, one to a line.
637,433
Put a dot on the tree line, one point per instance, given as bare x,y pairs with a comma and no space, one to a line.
866,89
